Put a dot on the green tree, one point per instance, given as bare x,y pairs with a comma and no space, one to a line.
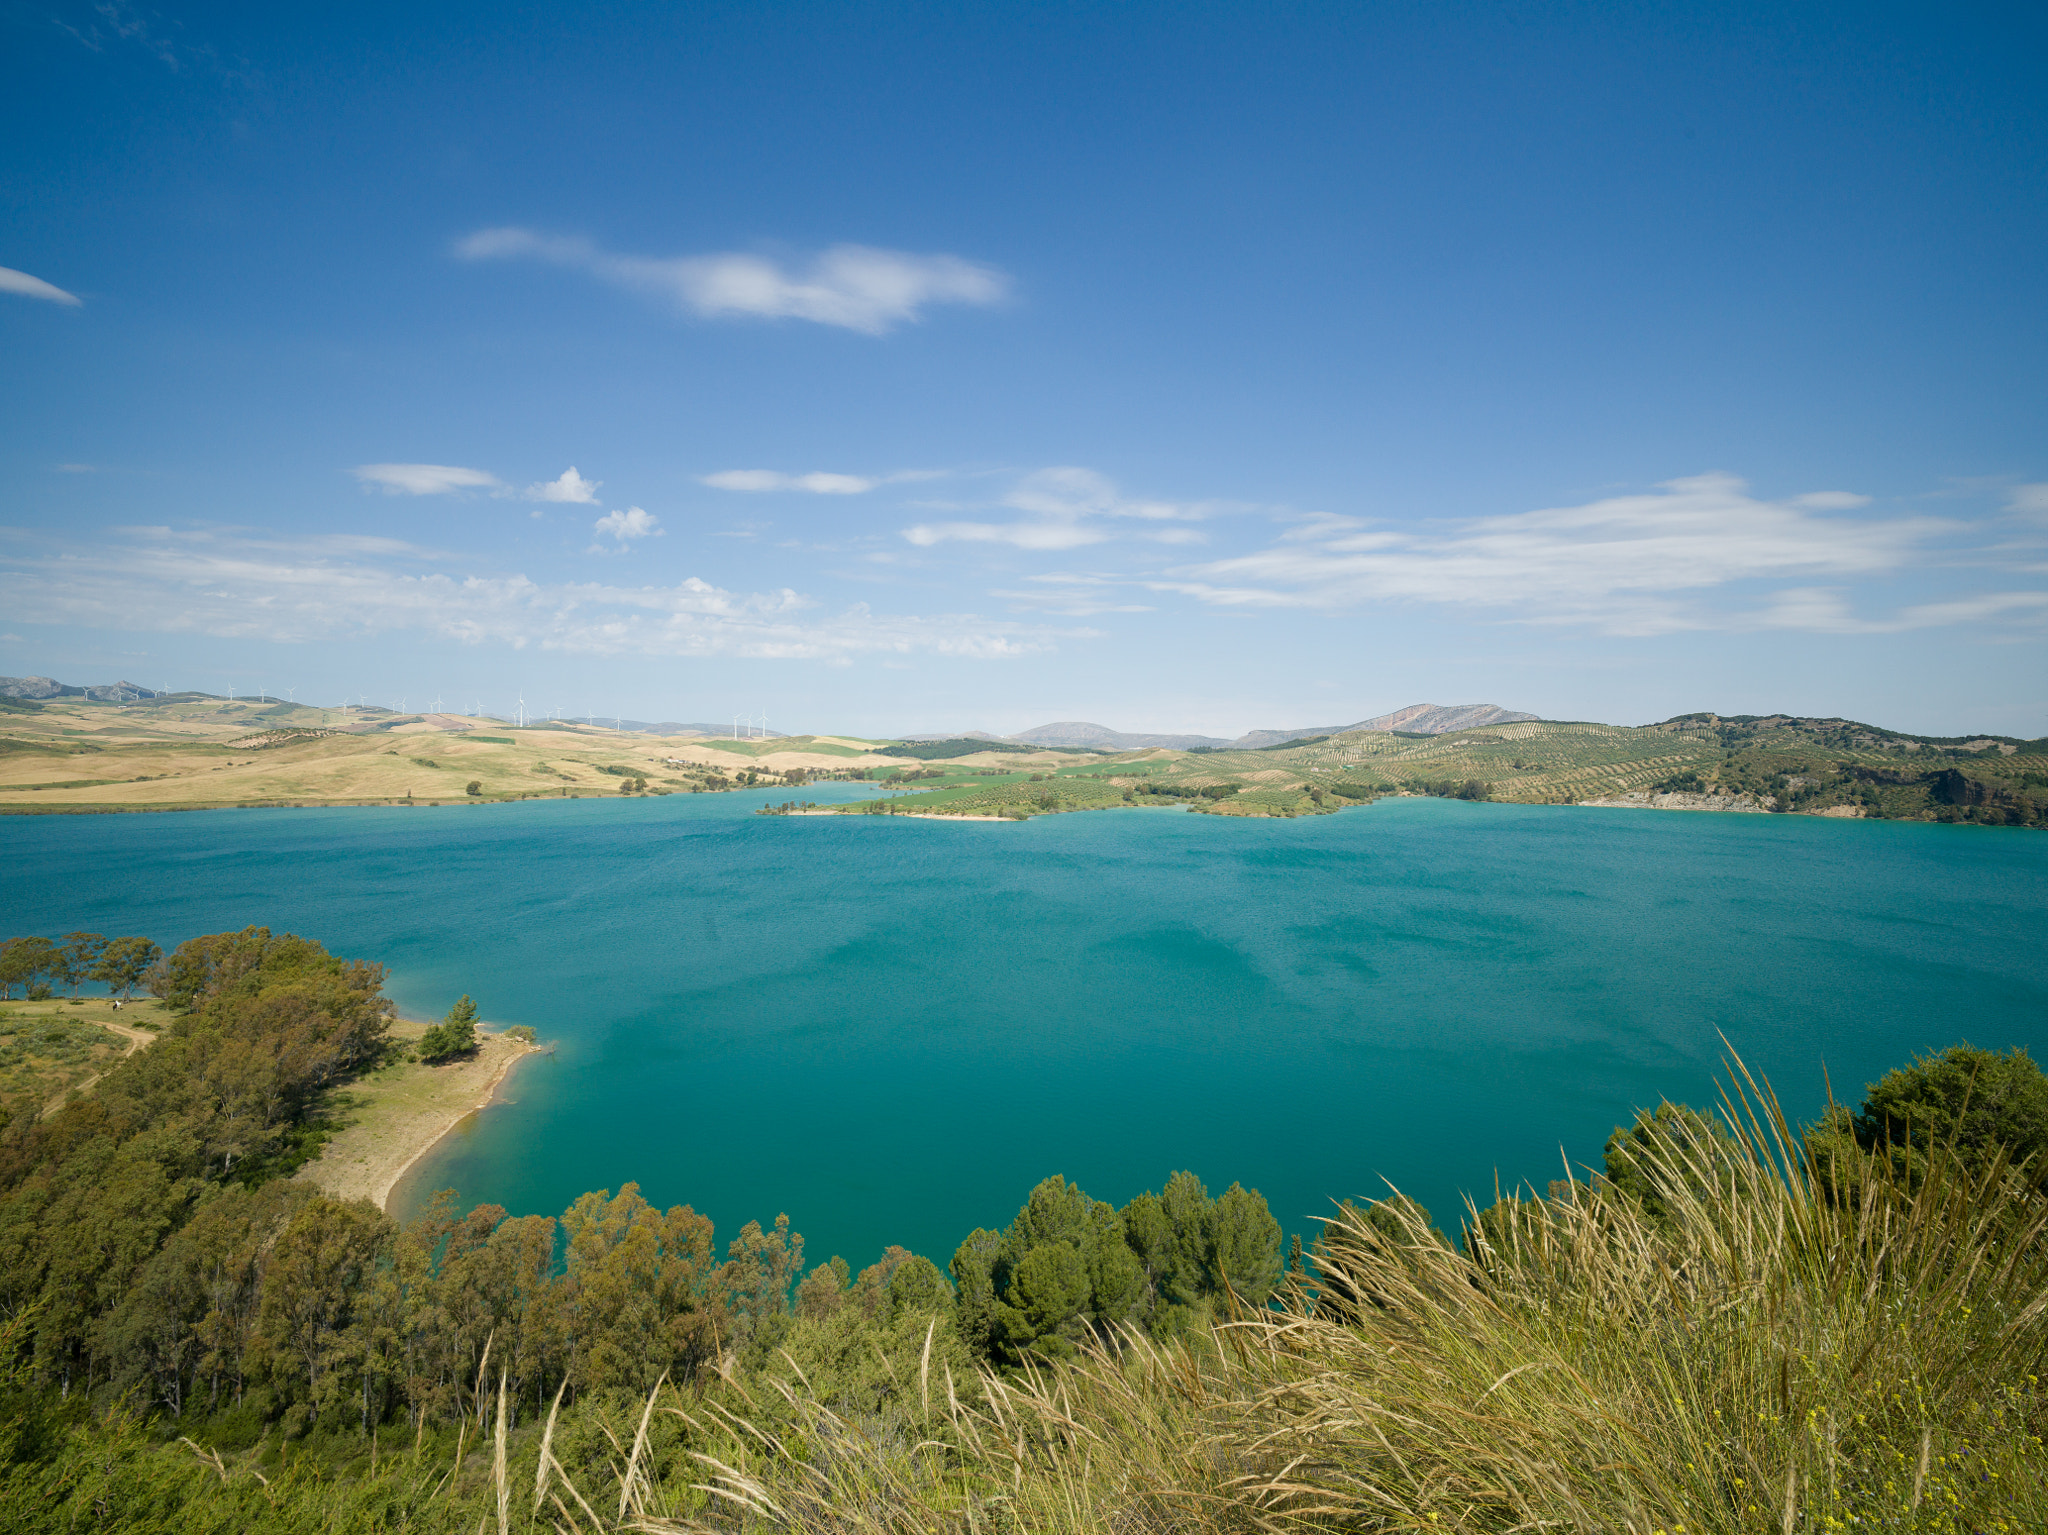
321,1268
1244,1246
1971,1103
452,1036
72,961
474,787
21,961
124,962
1040,1312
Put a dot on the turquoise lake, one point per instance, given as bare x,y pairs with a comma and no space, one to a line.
891,1029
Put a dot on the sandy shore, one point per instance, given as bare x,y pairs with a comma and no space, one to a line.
399,1113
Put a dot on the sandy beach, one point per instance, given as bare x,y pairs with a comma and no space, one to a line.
398,1113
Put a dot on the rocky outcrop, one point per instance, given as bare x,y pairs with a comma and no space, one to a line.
1680,799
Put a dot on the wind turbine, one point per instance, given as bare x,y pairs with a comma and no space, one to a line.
522,710
292,694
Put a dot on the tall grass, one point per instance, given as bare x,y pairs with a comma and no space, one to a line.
1769,1352
1771,1355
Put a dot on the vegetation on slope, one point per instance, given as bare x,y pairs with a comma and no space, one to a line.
1770,764
1731,1326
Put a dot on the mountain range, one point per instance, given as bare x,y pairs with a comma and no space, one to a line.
49,687
1417,719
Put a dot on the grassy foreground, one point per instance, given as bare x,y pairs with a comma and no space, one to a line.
1771,1350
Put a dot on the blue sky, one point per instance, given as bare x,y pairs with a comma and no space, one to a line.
917,366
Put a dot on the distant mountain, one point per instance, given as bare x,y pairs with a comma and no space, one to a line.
49,687
1081,733
1421,719
673,728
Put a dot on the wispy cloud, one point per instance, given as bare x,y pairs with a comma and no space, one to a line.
1068,508
568,486
771,479
1630,565
2028,500
27,286
424,479
300,590
1825,610
856,287
117,23
1075,595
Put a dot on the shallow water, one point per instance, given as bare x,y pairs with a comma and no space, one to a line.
892,1029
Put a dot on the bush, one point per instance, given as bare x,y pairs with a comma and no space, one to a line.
475,786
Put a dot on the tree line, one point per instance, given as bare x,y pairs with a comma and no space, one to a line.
33,963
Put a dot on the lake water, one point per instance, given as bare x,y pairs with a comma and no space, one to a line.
891,1029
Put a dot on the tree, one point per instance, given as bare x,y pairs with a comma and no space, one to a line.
72,961
1968,1102
124,962
1244,1246
452,1036
322,1265
21,961
474,787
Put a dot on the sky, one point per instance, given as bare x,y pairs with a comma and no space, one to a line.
919,367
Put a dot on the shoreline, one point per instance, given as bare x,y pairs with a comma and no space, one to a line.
404,1111
909,815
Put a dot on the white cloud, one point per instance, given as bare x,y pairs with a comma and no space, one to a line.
423,479
567,486
301,590
12,281
771,479
629,524
1626,564
855,287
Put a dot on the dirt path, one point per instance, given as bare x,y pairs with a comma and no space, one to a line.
136,1038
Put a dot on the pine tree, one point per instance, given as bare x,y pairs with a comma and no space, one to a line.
453,1035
